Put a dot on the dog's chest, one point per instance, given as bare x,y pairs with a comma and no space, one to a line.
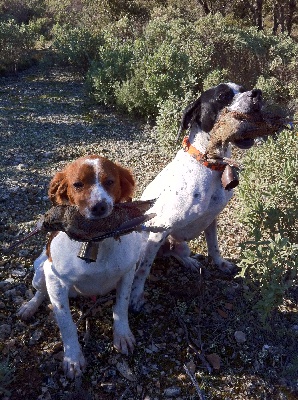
187,191
114,260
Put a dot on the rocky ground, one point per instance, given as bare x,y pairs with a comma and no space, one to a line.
198,337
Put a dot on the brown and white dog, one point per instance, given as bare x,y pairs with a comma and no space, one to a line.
94,184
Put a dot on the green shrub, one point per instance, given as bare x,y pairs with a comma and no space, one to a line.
16,43
215,77
168,60
271,268
112,68
155,77
168,121
242,52
76,46
268,194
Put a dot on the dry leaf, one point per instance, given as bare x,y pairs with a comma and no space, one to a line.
229,306
214,360
125,371
222,313
191,366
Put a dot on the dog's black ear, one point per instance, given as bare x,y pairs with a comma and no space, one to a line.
191,111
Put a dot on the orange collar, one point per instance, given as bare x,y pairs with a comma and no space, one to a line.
200,157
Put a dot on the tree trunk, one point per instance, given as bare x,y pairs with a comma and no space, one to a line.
290,14
275,17
205,6
259,14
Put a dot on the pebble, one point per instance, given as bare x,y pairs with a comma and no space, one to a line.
240,337
35,337
5,331
172,392
18,272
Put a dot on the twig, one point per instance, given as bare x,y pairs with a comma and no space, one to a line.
100,300
87,333
193,344
194,382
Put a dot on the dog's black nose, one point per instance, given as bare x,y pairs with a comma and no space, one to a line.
256,94
100,209
257,100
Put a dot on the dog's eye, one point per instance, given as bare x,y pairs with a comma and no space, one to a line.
109,182
224,96
78,185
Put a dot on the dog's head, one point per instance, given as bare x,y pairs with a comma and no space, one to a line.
92,183
207,108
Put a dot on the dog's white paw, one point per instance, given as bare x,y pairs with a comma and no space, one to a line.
73,364
27,310
190,263
124,342
226,267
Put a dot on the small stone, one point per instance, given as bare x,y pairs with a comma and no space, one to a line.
18,300
20,167
214,360
5,331
240,337
172,392
35,337
191,366
18,272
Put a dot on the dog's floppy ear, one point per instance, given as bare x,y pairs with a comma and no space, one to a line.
191,111
58,189
127,184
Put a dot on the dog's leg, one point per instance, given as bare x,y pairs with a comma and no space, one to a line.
73,361
213,250
124,340
137,293
28,309
181,252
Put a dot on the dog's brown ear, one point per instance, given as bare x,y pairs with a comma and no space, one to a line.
127,184
58,189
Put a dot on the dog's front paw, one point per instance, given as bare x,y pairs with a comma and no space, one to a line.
124,342
27,310
73,364
227,267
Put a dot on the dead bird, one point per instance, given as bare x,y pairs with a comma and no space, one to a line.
124,218
233,126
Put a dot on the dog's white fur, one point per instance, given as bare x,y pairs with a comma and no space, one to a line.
64,274
189,197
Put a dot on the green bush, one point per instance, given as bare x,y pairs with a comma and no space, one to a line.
168,121
168,60
268,208
76,46
16,43
112,68
155,77
173,56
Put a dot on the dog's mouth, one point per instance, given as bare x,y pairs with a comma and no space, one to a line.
244,144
